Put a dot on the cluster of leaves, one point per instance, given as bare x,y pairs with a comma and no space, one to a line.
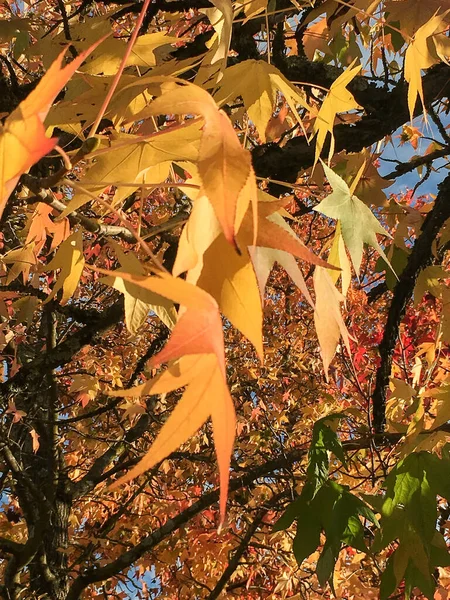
156,194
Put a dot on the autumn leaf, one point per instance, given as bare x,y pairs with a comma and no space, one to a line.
70,260
191,412
86,388
198,234
338,100
328,320
17,414
136,160
259,92
34,440
230,279
41,225
215,60
271,234
430,280
358,224
223,165
264,258
418,57
441,407
197,332
107,58
138,301
338,257
412,14
22,137
21,261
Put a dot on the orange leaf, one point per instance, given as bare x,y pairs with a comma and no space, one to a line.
35,440
22,137
205,380
199,328
197,332
223,165
271,235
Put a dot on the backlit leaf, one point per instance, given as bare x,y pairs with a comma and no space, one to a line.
70,260
328,320
358,224
338,100
259,92
22,136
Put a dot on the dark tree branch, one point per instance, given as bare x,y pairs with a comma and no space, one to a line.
96,473
238,553
9,546
149,542
420,257
417,161
386,111
62,353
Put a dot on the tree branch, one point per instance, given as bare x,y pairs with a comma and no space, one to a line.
149,542
387,112
234,562
417,161
9,546
62,353
420,256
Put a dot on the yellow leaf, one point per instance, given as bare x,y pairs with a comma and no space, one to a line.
198,329
197,332
22,137
69,258
328,320
428,281
259,91
25,309
254,7
214,63
197,235
130,159
138,301
418,57
412,14
21,259
107,59
231,280
272,234
338,100
338,257
223,165
441,406
195,407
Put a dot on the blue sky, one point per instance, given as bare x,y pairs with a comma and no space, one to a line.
405,152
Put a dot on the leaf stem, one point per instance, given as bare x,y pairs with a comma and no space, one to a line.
116,79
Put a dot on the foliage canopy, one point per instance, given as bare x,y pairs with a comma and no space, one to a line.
225,325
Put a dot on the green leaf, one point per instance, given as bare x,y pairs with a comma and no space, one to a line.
399,260
290,514
344,522
358,224
388,583
326,563
439,554
324,440
307,538
409,515
414,577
